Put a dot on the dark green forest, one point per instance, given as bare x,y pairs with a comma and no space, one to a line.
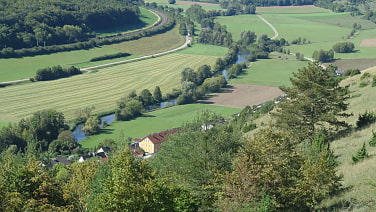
31,23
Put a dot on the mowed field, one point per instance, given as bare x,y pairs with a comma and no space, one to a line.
100,89
156,121
22,68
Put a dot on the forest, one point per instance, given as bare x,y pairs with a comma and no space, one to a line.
26,24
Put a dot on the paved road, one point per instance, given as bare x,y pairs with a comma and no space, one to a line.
187,41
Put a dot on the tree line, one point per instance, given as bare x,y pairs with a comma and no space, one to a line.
56,72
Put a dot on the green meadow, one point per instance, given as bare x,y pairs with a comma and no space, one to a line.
238,24
270,72
21,68
202,49
101,89
153,122
290,10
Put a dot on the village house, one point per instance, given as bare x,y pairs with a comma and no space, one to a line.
152,143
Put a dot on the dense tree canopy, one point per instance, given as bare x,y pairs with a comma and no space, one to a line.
313,103
25,23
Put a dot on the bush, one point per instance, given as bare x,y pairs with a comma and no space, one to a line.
366,119
56,72
360,155
343,47
372,142
351,72
110,56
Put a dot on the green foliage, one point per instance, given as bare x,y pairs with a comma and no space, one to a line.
343,47
129,110
313,103
157,94
372,142
56,72
374,81
197,154
351,72
270,172
323,56
91,125
130,185
365,119
60,22
360,155
110,56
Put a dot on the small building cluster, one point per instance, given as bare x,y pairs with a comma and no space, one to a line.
152,143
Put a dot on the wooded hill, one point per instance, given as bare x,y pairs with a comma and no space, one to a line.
30,23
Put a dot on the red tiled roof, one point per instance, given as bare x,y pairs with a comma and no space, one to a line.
157,138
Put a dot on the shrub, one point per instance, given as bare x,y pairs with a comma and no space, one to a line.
343,47
366,119
351,72
360,155
372,142
363,84
110,56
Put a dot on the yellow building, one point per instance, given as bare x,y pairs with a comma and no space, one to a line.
152,143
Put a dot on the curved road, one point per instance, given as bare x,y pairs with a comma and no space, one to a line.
187,41
162,20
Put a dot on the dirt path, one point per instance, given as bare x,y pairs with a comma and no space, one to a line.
271,26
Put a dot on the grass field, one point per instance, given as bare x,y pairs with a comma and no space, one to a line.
202,49
271,72
155,122
238,24
21,68
319,26
101,89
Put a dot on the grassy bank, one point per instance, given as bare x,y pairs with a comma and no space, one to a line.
155,122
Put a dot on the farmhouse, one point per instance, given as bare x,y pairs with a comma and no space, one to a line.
152,143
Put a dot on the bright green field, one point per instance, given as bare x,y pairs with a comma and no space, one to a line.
21,68
271,72
202,49
319,26
101,89
289,10
238,24
155,122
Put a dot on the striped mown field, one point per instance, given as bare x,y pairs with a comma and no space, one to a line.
101,89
